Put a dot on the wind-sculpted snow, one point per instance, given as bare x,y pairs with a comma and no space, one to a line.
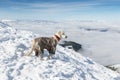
66,64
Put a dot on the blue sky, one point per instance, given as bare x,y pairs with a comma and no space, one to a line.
60,9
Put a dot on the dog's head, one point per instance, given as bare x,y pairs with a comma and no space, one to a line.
59,35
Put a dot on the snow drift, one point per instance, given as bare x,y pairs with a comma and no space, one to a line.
66,64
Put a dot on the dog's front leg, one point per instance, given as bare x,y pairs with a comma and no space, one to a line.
41,56
51,53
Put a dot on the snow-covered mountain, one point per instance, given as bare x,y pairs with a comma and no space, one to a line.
100,40
66,65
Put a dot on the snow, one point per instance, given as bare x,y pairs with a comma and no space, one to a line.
66,64
100,40
6,20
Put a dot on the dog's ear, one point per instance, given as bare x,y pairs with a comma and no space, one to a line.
59,32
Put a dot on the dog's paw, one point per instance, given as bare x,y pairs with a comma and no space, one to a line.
42,59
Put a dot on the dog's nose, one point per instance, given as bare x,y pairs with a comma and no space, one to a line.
65,36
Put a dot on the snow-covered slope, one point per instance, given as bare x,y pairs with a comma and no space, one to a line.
66,65
100,40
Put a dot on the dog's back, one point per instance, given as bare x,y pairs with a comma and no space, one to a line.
46,43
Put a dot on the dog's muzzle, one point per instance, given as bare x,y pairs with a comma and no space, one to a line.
65,36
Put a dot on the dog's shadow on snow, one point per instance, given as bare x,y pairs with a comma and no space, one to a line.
21,46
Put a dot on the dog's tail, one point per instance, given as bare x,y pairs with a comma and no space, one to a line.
32,48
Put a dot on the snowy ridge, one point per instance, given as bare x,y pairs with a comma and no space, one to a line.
115,67
66,65
4,24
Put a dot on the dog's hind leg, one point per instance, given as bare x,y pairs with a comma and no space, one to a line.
41,54
36,53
